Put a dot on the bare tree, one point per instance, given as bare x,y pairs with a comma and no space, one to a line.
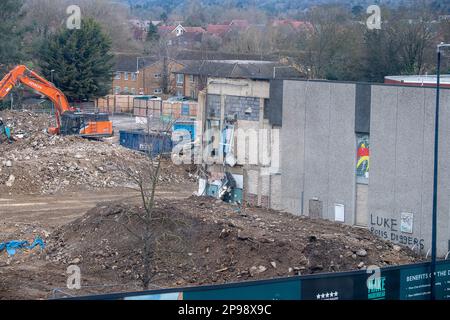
325,39
154,227
47,16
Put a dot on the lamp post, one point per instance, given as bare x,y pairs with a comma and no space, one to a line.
143,73
435,174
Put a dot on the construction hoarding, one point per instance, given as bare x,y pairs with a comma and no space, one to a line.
407,282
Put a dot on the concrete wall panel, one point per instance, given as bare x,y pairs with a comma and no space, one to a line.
292,151
317,137
342,151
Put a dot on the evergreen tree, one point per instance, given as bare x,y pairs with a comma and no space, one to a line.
10,33
81,60
164,17
152,33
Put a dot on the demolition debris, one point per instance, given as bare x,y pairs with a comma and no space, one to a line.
39,163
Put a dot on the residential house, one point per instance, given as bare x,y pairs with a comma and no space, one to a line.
239,24
218,30
139,28
294,24
159,76
185,37
126,78
136,75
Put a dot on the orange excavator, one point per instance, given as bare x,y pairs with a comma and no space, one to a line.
68,120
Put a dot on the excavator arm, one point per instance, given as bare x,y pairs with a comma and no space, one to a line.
31,79
79,123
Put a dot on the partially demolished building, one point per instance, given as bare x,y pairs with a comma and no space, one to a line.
355,153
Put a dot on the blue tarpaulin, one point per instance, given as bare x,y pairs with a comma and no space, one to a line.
12,246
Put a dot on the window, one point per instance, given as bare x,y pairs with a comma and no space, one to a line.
157,75
125,90
179,93
191,78
193,94
157,91
134,76
117,90
118,75
180,79
133,91
126,75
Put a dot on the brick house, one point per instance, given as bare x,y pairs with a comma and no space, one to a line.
126,76
159,76
135,75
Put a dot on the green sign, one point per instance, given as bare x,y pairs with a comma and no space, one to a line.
408,282
287,289
415,283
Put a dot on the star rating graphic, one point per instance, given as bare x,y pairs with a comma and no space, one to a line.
327,295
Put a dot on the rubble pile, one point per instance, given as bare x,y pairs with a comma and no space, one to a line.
37,162
219,243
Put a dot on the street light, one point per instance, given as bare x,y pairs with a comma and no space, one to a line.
435,176
137,72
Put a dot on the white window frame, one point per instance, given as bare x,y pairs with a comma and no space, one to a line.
117,90
180,83
126,75
125,90
118,75
134,76
133,91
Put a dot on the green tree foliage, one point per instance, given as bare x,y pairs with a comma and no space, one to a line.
81,60
164,17
11,33
152,33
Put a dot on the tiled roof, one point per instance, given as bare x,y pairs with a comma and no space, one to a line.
258,70
216,55
128,62
218,29
194,30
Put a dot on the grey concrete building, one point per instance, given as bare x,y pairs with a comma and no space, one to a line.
323,124
354,153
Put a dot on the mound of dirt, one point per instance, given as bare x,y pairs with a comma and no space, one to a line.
43,164
203,241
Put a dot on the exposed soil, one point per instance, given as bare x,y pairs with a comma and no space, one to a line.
68,191
202,241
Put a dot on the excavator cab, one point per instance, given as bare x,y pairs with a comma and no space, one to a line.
86,124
